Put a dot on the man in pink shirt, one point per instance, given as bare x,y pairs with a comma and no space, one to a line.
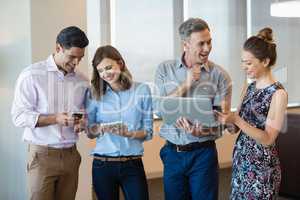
46,94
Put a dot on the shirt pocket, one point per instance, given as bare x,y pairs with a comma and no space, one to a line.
32,162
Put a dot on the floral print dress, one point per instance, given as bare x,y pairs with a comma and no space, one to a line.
256,172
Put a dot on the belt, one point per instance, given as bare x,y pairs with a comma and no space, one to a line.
191,146
41,148
116,159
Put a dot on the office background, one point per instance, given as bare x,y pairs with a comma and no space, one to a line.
146,34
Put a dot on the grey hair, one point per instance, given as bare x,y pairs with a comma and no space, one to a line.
192,25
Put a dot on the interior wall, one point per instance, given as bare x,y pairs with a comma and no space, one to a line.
27,35
48,17
15,54
286,34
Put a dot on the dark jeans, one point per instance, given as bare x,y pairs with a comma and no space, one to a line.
190,174
108,176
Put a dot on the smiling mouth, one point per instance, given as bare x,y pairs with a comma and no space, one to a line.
109,77
71,67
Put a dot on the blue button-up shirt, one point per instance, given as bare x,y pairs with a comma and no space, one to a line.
214,82
132,107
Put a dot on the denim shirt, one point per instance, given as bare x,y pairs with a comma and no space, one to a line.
133,107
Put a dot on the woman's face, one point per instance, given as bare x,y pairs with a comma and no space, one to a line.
109,70
253,67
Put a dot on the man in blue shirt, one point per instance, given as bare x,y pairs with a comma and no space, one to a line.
189,156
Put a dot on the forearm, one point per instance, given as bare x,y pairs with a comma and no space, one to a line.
24,118
141,134
93,131
181,90
255,133
46,120
92,135
200,132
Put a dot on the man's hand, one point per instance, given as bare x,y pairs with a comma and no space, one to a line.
196,72
193,75
196,129
80,125
64,119
185,124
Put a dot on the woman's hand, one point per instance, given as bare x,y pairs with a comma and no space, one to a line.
226,118
94,131
121,130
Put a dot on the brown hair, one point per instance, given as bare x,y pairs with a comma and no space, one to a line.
98,84
262,46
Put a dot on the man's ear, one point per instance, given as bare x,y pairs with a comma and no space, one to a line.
185,44
58,48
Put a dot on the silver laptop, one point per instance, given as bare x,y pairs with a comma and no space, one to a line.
194,108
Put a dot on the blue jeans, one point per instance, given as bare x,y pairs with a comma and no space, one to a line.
108,176
190,174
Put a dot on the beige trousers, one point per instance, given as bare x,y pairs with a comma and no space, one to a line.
52,173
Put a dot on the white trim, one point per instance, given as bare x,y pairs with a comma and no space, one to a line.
186,5
293,105
113,22
249,19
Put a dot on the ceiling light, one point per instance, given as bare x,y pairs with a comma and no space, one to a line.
285,9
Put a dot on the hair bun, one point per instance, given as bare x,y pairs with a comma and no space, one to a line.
266,34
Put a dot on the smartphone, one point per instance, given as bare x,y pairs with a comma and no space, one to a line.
217,108
78,115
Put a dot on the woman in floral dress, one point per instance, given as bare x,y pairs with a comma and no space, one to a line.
256,170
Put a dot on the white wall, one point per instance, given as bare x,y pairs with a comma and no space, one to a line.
15,54
48,17
27,34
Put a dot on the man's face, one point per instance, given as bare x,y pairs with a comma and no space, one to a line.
197,47
68,59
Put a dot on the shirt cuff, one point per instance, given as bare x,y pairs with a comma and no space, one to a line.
32,119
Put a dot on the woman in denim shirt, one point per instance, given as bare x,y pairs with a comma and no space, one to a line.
113,98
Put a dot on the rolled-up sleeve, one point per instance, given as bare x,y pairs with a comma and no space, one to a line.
159,87
225,85
160,75
147,113
24,113
90,107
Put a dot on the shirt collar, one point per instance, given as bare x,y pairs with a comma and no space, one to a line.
52,67
180,64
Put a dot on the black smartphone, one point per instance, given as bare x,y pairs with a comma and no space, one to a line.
77,115
217,108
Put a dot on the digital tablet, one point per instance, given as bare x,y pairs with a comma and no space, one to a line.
196,109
